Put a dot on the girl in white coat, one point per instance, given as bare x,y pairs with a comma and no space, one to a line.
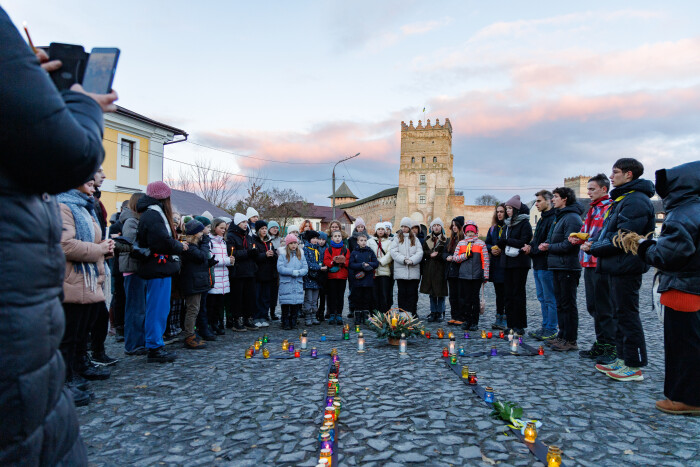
216,295
407,252
383,279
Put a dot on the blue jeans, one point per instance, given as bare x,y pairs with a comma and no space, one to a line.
437,305
157,310
544,282
134,313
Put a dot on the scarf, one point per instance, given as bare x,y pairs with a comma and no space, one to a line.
356,234
511,221
337,245
82,208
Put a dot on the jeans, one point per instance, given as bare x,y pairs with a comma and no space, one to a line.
437,305
565,286
262,300
631,345
544,282
599,305
311,302
134,313
157,310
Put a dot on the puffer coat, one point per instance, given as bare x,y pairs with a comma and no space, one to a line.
314,260
217,247
563,255
383,255
434,280
291,291
358,257
401,251
130,226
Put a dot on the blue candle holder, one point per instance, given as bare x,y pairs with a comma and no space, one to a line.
323,338
462,353
494,352
466,335
291,348
489,397
314,353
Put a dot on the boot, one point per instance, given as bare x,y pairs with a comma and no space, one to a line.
273,316
80,398
248,323
500,323
320,317
160,355
90,371
202,324
285,320
294,317
193,343
432,317
314,318
237,325
339,319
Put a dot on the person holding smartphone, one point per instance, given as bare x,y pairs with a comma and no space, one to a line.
51,143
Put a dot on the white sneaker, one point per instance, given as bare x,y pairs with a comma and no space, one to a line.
262,324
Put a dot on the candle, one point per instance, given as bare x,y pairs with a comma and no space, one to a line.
336,406
427,334
514,346
330,410
335,358
360,343
260,339
488,394
483,334
330,400
328,419
402,344
445,352
520,339
466,335
265,339
327,445
530,432
489,334
248,353
440,333
422,332
450,335
257,346
323,338
326,454
494,352
314,352
346,334
553,456
540,350
331,429
394,322
501,334
297,354
334,352
291,348
357,328
324,431
266,353
285,345
462,353
452,346
510,335
472,378
465,372
453,359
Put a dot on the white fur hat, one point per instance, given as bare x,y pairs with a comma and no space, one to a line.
380,225
228,220
293,228
208,215
437,221
238,218
406,222
251,212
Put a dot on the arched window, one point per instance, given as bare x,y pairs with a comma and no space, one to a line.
413,160
423,160
434,159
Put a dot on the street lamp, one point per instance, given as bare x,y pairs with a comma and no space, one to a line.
336,164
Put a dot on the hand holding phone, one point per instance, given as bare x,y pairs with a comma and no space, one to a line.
100,70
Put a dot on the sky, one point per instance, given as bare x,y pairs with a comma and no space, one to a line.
535,91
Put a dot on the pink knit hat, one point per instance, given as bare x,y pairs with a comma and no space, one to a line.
158,190
290,238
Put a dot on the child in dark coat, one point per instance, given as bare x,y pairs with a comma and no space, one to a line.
313,279
362,264
194,279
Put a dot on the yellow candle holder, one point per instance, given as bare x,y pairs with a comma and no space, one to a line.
440,333
285,345
530,432
483,334
450,335
465,372
266,353
553,456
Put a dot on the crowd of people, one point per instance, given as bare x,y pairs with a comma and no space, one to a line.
156,275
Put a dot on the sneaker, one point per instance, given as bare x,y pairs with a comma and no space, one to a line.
238,327
594,352
193,343
614,366
248,323
136,352
548,334
457,322
160,355
499,324
626,373
565,346
79,382
80,398
219,330
609,354
677,408
94,372
102,359
536,334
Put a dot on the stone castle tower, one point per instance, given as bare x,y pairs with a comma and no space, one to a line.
426,183
578,184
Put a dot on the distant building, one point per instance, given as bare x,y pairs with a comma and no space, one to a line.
321,217
134,150
187,203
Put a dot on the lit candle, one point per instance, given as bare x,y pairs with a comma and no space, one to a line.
334,352
323,338
324,431
357,328
440,333
325,438
326,454
330,410
445,352
291,348
248,353
472,378
314,352
540,350
266,353
329,400
422,332
501,334
336,406
553,456
483,334
510,335
514,346
530,432
265,339
466,335
402,344
494,352
453,359
304,340
297,354
394,322
489,334
462,353
465,372
328,419
488,394
452,346
285,345
327,445
257,346
360,343
450,335
520,339
346,334
427,334
335,358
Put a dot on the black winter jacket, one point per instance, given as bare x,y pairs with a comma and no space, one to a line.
194,276
355,265
50,144
517,236
676,253
496,273
241,243
563,255
153,233
452,269
631,211
539,258
267,266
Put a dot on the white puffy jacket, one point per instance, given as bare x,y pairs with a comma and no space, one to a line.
400,252
384,259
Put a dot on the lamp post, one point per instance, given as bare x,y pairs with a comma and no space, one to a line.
336,164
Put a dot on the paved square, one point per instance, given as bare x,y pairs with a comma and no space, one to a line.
215,407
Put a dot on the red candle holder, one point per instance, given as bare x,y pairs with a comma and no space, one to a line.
297,354
540,351
427,334
489,334
501,334
445,352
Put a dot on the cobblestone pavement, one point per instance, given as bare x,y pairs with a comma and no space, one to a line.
213,407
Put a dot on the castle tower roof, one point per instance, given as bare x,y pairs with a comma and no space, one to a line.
343,191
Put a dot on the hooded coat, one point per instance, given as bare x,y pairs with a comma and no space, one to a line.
563,255
217,247
267,266
130,225
195,275
518,233
544,225
434,280
358,257
495,234
676,253
291,291
401,251
452,267
314,261
631,211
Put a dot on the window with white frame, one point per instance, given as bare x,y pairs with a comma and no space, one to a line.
422,178
127,153
421,199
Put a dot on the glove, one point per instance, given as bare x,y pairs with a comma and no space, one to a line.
367,268
212,262
295,273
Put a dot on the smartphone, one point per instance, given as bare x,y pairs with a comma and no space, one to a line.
100,69
74,60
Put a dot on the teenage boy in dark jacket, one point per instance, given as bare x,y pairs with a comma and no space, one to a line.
631,211
676,254
242,296
544,278
563,262
362,264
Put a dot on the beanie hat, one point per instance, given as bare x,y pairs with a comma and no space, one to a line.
272,224
158,190
193,227
290,238
309,234
293,228
228,220
186,219
359,221
205,222
459,220
208,215
323,235
380,225
514,202
251,212
471,226
387,225
219,220
238,218
259,224
406,222
437,221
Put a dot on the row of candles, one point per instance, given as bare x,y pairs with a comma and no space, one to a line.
331,414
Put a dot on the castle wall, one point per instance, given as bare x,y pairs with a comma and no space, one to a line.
372,211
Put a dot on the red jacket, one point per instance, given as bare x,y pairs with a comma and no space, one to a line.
332,252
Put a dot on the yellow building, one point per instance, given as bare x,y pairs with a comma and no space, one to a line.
134,149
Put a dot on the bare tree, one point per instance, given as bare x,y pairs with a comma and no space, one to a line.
255,196
211,183
288,204
487,200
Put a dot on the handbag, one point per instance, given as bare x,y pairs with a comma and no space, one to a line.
512,251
